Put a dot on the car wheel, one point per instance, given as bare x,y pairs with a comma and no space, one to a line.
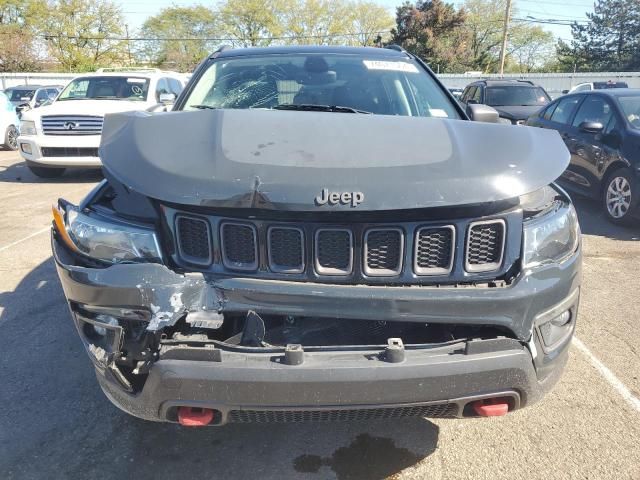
45,172
11,137
620,196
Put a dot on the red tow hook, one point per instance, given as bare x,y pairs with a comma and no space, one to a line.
195,417
491,407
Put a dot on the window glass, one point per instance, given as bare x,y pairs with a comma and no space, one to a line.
564,109
106,88
631,108
390,86
41,96
52,93
161,87
515,95
175,86
22,93
583,88
549,111
593,109
477,95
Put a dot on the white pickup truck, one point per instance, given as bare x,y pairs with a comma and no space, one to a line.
66,134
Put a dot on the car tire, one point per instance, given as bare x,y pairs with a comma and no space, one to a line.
11,137
620,195
46,172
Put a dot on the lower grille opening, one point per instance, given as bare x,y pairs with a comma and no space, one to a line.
68,152
283,330
340,415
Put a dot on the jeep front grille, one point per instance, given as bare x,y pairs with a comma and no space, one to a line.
465,250
286,249
485,244
334,251
194,241
434,250
71,125
239,246
383,251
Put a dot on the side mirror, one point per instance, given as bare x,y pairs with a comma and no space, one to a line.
167,98
564,92
482,113
591,127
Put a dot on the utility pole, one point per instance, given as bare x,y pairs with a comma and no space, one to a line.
505,32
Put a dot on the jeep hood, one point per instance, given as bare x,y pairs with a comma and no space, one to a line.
271,159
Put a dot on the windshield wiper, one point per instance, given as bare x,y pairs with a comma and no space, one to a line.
203,107
319,108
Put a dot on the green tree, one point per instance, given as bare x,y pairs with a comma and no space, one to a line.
530,48
197,24
431,29
18,41
370,23
610,41
84,34
318,22
252,23
484,22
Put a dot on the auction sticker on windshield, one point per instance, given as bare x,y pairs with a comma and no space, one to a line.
394,66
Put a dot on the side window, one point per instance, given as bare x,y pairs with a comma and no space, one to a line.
175,86
612,126
469,94
161,87
477,95
41,96
564,109
593,109
549,111
583,88
52,93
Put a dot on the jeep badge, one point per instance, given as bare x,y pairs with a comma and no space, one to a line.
344,198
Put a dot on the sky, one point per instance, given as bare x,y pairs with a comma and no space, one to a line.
136,11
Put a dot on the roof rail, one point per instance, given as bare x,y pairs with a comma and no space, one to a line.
395,47
127,69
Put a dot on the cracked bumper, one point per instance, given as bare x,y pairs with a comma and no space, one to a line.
233,380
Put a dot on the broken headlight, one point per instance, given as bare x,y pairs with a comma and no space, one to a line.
105,239
552,237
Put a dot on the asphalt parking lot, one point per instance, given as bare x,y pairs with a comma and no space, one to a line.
56,423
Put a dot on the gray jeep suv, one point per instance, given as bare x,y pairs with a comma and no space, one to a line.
320,233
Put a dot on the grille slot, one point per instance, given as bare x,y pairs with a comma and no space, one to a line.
338,415
383,251
69,152
434,250
194,240
485,246
239,246
286,249
71,125
334,251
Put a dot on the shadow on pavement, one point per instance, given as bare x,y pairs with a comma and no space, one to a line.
55,422
593,221
19,173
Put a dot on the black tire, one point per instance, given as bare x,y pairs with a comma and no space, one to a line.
620,195
46,172
11,138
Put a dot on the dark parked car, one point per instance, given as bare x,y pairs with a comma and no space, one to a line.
601,129
25,97
319,233
515,100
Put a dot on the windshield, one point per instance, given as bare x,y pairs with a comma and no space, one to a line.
106,88
361,84
515,95
631,108
19,94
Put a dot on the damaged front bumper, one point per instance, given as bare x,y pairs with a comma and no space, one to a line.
342,382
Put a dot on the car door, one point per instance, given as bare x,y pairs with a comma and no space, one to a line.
590,155
560,120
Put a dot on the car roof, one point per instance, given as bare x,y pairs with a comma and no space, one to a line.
132,73
302,49
24,87
610,92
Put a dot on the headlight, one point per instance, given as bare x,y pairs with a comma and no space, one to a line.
506,121
109,240
27,127
551,238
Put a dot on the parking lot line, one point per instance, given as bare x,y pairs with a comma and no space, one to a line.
13,244
608,375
